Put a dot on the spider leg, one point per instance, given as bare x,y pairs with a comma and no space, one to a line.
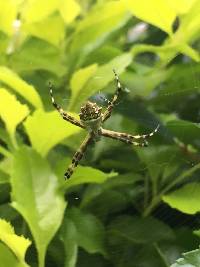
64,114
113,102
117,136
78,155
142,136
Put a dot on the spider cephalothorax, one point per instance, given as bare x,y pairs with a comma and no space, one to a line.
90,111
91,119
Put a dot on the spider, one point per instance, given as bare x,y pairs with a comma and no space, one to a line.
92,119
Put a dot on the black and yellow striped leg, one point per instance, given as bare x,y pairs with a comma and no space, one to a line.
128,138
139,137
64,115
78,155
113,102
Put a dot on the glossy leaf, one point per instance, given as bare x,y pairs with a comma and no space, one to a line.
36,197
47,129
17,244
186,199
11,79
12,112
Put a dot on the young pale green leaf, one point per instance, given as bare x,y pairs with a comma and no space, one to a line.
90,231
87,175
93,30
11,79
37,10
78,81
186,199
12,112
17,244
156,12
181,6
101,78
36,197
8,11
69,10
41,29
47,129
190,259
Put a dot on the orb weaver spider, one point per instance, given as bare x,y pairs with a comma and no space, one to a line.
92,119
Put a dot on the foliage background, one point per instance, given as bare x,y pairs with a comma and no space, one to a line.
124,206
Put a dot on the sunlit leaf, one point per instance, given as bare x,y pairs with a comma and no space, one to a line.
8,11
186,199
190,259
11,79
41,29
181,6
78,81
156,12
47,129
12,111
17,244
101,78
94,29
36,197
36,10
69,10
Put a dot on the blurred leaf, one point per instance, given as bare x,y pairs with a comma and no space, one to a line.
78,81
41,29
12,112
140,230
11,79
190,259
93,30
47,129
102,77
8,11
69,10
35,55
69,238
36,197
181,6
35,10
90,231
17,244
186,199
156,12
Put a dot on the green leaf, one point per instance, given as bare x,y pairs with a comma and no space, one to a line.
186,199
35,55
87,175
190,259
90,231
36,10
17,244
156,12
41,29
11,79
181,6
36,197
101,78
69,238
93,30
8,11
140,230
69,10
47,129
11,112
78,81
